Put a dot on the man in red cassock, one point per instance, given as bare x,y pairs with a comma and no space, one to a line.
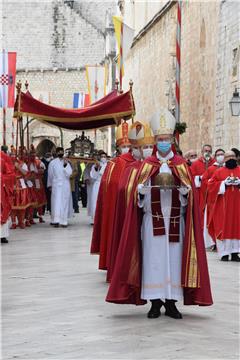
142,140
161,255
198,168
107,198
208,232
224,194
7,183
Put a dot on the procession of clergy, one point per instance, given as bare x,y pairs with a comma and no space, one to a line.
153,212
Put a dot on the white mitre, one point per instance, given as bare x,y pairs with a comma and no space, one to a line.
163,122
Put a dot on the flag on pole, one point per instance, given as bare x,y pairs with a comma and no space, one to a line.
80,100
7,78
124,35
97,80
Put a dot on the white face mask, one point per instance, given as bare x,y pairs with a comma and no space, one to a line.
147,152
220,159
193,160
103,160
124,150
136,154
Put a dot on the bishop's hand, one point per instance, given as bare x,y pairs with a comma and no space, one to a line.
143,190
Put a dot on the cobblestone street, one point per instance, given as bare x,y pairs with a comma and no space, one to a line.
53,306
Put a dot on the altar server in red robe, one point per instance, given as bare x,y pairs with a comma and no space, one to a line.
21,195
208,232
171,263
198,168
7,183
224,193
142,141
107,198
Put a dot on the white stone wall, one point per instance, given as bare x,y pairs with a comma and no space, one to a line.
54,42
227,128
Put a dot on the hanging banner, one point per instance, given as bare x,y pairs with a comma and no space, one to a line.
124,36
97,79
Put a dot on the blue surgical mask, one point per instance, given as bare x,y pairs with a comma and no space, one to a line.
164,146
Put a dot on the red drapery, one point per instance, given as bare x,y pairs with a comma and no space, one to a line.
105,112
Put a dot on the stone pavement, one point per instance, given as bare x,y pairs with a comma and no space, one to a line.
53,306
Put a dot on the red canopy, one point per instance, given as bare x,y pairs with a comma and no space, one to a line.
105,112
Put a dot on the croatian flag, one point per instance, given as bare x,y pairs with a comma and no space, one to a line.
7,78
80,100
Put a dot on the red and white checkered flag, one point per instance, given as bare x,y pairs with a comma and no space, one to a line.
7,78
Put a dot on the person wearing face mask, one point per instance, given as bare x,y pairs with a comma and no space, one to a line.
59,172
198,168
162,234
107,198
46,161
142,141
96,174
208,231
224,190
191,157
36,169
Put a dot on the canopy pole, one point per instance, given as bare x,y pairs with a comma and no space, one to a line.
18,86
28,140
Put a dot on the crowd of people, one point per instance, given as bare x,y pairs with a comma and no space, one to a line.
154,211
157,211
32,186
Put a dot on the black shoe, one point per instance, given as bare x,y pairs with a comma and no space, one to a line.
171,310
214,248
56,225
76,211
235,257
64,226
4,241
155,312
224,258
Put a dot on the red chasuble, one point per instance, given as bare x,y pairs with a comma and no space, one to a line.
205,179
7,184
225,210
125,286
124,190
106,206
199,167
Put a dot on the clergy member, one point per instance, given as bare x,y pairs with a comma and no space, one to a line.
171,264
59,172
107,198
198,168
141,138
96,174
208,232
224,193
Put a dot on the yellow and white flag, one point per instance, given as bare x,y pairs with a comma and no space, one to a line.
97,79
124,36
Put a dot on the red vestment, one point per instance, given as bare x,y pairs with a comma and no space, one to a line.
225,210
205,179
124,190
198,168
105,208
7,184
125,286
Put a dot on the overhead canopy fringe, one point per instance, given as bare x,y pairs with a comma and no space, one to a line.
106,112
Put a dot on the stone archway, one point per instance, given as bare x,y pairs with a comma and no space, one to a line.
45,146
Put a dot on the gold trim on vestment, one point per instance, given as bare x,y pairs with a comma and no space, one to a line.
130,185
112,165
192,276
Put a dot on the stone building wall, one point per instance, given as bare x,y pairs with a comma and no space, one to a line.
227,128
54,41
206,66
